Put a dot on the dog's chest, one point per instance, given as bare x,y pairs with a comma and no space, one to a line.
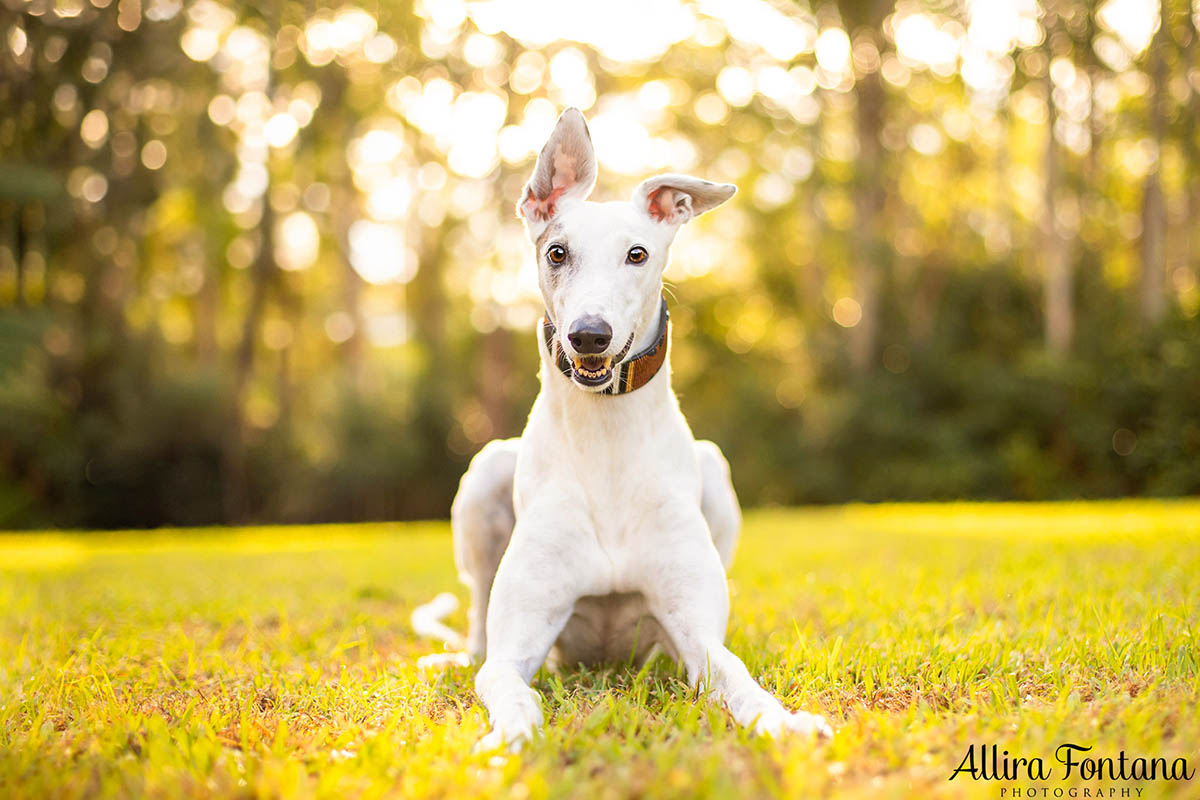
608,466
610,452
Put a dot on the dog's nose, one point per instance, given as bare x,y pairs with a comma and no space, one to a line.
589,335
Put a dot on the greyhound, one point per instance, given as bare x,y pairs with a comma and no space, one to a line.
605,530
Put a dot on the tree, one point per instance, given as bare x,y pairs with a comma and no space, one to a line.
1152,288
871,252
1058,280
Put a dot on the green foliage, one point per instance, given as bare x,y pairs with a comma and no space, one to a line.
278,661
978,411
974,410
136,452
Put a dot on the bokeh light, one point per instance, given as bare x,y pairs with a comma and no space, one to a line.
290,196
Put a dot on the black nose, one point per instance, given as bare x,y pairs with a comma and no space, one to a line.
589,335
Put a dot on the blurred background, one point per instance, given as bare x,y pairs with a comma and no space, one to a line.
260,261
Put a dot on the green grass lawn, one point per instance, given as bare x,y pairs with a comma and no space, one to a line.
271,662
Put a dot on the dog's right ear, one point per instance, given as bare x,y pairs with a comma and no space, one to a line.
566,169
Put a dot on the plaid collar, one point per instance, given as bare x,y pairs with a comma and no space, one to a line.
630,375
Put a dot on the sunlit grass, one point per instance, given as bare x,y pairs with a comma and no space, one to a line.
279,662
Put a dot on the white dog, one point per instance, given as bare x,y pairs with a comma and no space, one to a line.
606,528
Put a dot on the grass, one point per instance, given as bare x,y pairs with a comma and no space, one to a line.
278,662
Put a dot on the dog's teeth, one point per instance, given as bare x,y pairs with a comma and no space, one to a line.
592,374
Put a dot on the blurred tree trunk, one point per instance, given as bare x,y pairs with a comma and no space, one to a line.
344,212
426,302
20,245
353,348
1153,300
206,307
927,296
811,277
291,305
285,387
262,274
1094,71
869,244
1058,281
494,370
870,253
205,310
352,283
20,84
1094,204
1191,149
433,386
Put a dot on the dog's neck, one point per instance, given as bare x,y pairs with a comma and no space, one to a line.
649,335
591,423
604,435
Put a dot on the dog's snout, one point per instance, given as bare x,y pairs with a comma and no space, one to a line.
589,335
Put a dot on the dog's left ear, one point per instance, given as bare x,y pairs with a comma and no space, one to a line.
566,169
674,199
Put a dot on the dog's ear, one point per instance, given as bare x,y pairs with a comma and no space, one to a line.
566,168
674,199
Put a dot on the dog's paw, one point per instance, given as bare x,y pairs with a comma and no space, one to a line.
785,723
509,739
496,739
514,725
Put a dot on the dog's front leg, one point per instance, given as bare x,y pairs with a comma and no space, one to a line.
546,568
690,599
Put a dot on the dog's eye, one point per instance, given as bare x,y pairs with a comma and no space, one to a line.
557,254
637,254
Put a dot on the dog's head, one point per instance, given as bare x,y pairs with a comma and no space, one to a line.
600,265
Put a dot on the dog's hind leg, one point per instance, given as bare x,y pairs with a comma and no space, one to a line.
482,519
718,501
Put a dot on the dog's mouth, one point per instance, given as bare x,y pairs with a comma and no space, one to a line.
594,371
